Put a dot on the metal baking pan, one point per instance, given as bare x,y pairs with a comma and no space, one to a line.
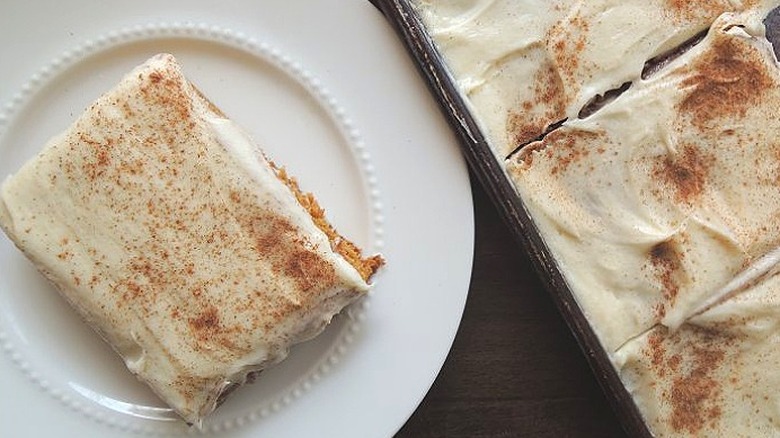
409,27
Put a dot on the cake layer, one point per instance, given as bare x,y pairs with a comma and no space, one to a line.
165,227
526,64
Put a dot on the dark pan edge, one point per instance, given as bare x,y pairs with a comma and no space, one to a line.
490,173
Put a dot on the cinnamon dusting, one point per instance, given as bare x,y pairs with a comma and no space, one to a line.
524,124
567,41
695,10
666,261
567,147
690,385
729,80
686,172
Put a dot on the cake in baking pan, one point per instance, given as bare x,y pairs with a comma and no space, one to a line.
641,139
662,211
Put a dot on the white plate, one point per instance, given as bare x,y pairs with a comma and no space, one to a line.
337,101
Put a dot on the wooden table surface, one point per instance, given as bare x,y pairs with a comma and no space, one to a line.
514,369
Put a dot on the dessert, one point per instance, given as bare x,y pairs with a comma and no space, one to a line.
197,259
639,139
661,211
526,65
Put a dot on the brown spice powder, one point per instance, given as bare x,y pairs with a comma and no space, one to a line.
687,376
666,260
695,10
547,106
727,82
687,172
694,395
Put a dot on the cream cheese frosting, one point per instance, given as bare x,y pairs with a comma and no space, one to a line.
524,65
715,376
655,202
166,228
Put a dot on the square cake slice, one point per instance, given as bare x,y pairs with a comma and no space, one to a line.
197,259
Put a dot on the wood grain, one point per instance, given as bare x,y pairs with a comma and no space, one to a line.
514,369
